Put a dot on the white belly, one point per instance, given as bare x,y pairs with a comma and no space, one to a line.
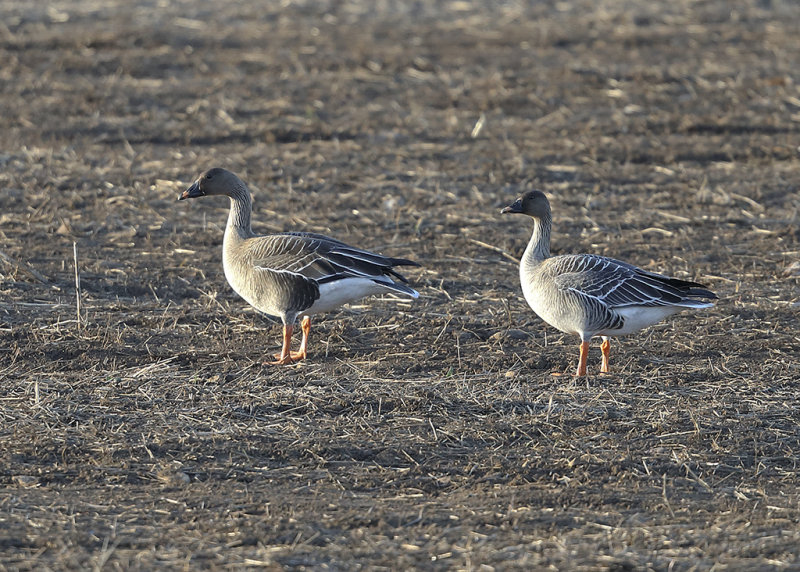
638,317
335,294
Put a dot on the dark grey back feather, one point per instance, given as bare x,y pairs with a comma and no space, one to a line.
320,258
620,284
287,290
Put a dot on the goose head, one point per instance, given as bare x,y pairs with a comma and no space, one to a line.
532,203
216,181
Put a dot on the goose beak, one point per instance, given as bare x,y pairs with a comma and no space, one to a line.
191,192
516,207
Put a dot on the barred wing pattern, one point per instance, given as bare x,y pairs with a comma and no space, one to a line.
618,284
322,259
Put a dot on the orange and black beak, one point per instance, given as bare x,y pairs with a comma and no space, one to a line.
515,207
192,192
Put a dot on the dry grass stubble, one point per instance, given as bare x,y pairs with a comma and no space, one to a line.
425,435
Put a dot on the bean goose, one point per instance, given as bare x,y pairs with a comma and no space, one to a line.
293,275
592,295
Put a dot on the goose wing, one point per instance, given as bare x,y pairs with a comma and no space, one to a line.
618,284
322,259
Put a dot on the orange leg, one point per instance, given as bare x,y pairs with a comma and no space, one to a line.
305,325
285,357
582,359
605,347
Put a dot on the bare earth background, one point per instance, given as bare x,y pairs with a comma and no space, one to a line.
427,434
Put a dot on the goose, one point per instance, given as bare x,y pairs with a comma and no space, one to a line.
293,275
590,295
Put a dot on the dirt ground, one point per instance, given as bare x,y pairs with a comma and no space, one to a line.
429,434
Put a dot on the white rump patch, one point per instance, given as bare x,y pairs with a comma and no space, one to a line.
638,317
339,292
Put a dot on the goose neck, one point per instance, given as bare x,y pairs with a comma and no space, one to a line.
241,209
539,245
